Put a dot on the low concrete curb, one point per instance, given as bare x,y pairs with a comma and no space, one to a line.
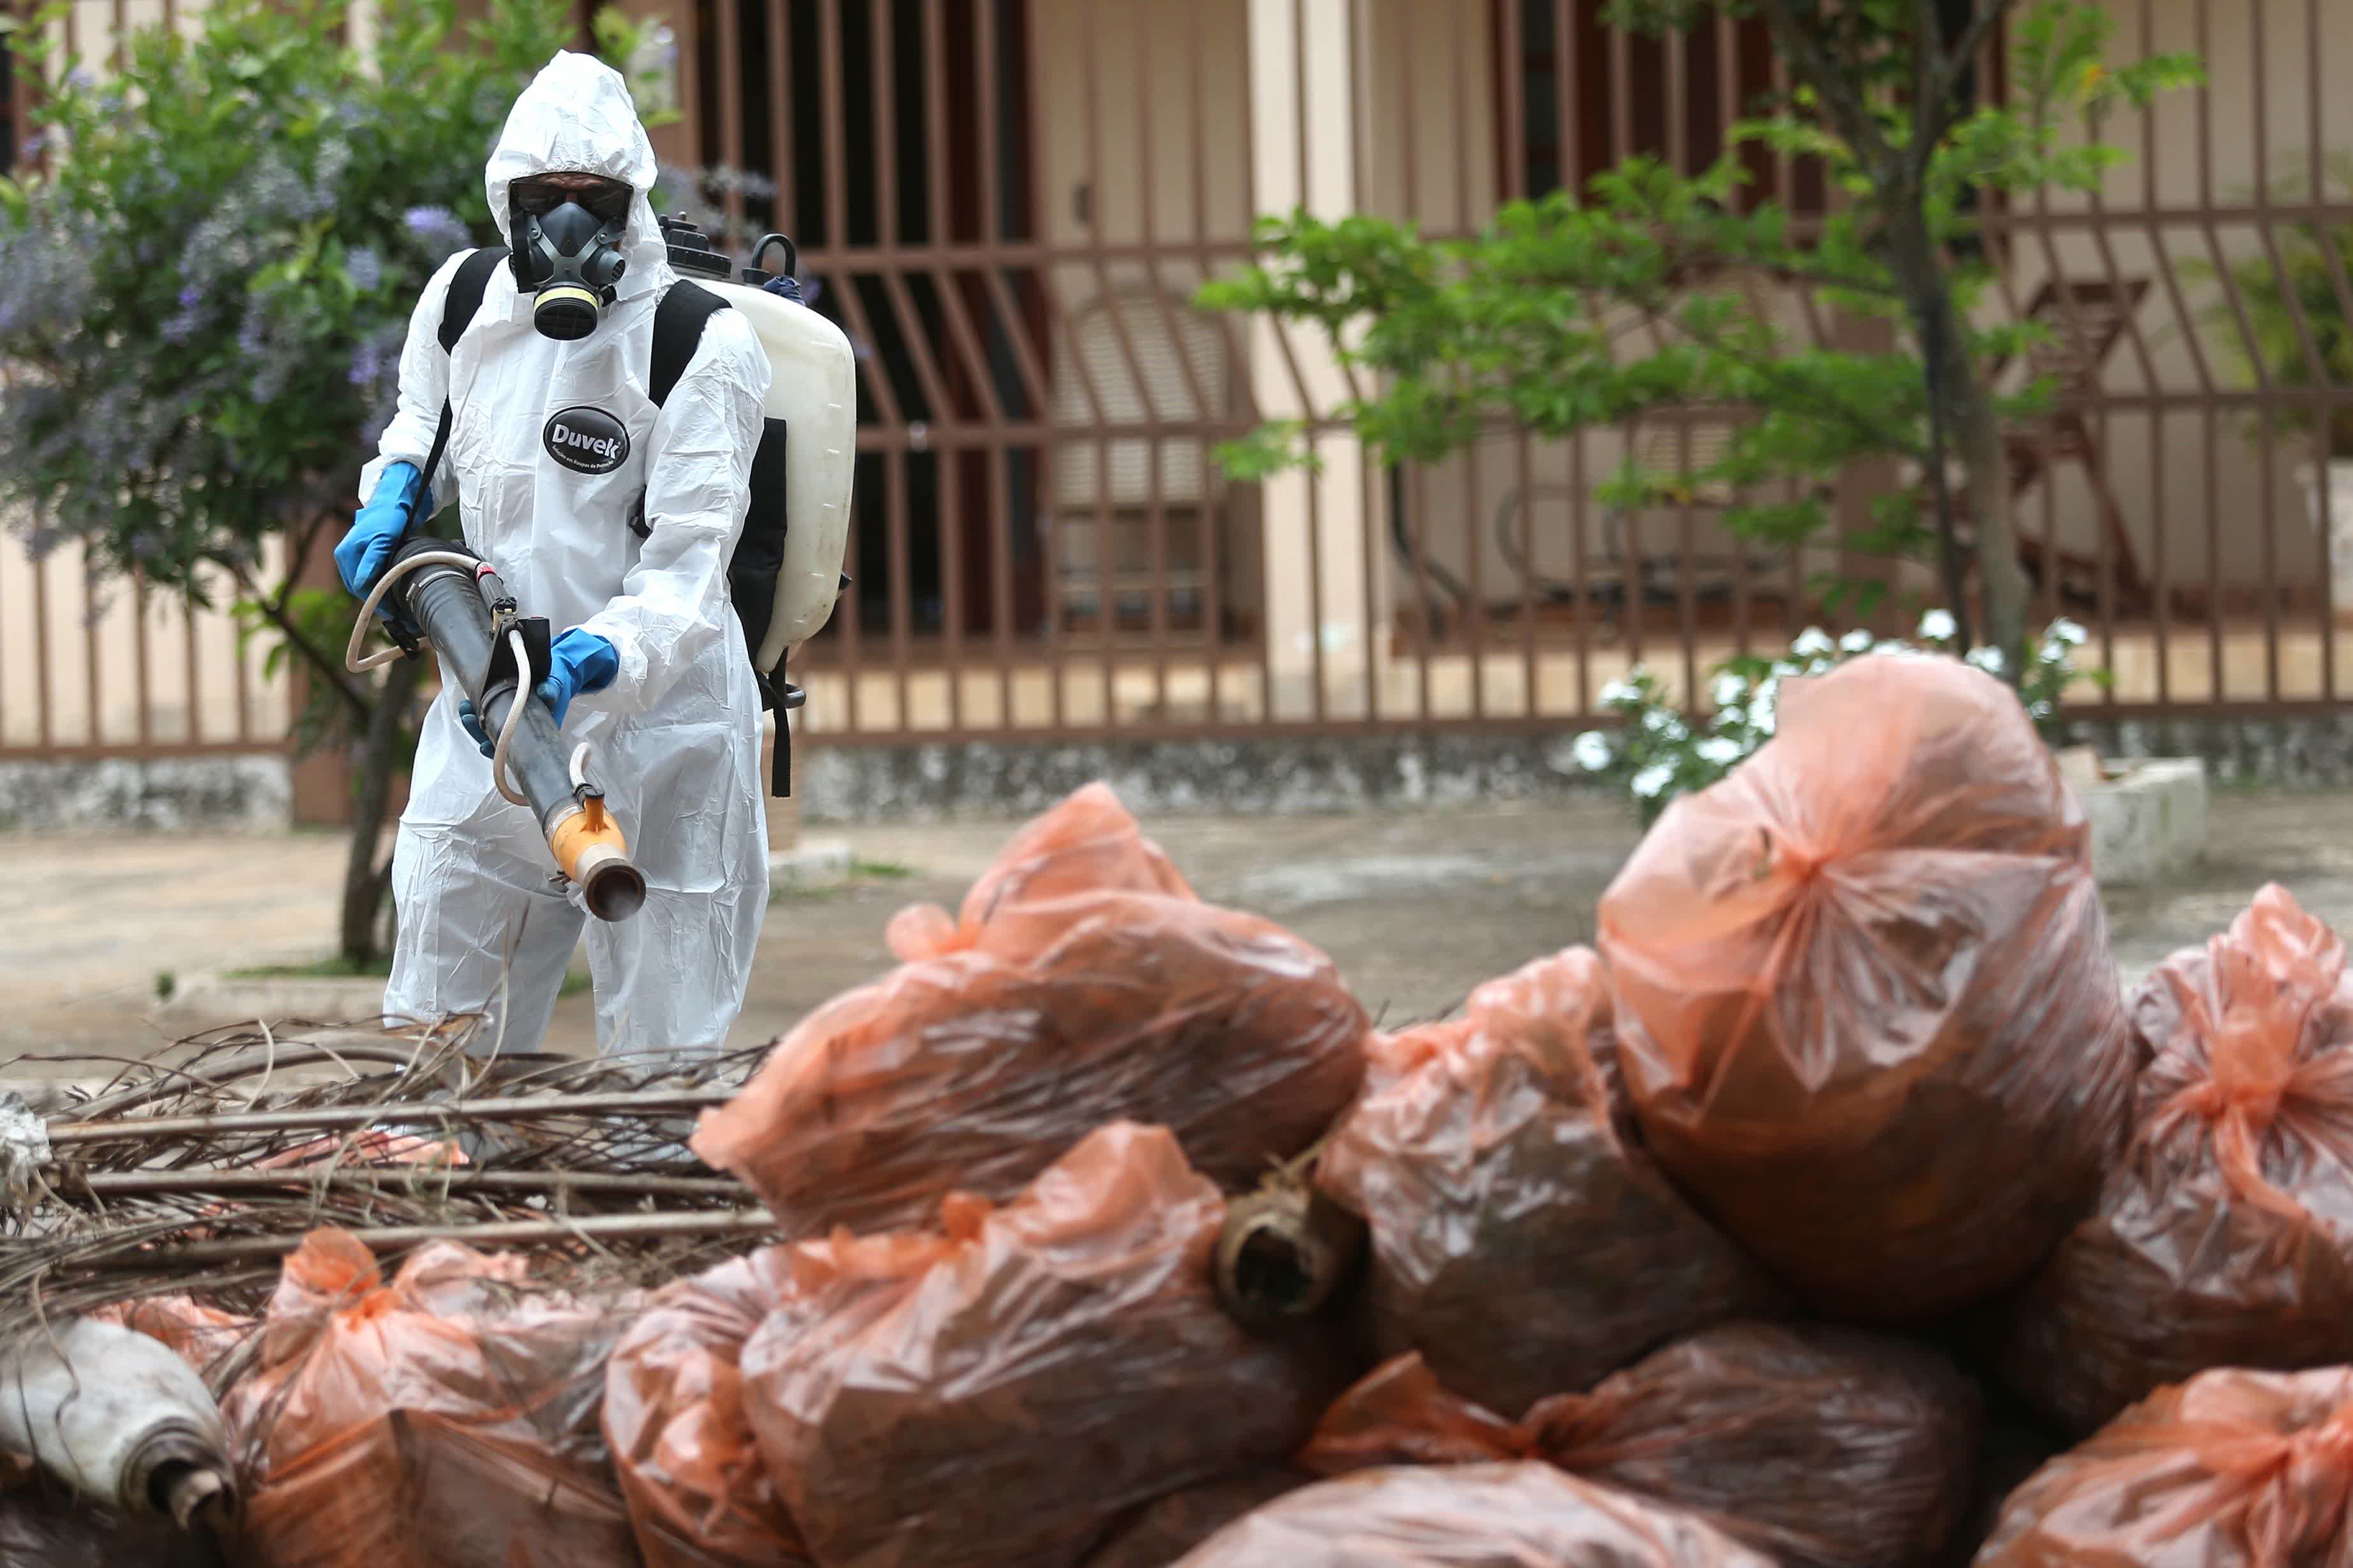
204,1000
812,863
2149,821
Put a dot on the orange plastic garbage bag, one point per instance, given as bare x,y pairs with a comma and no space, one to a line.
698,1490
2225,1235
1166,1529
1522,1239
202,1336
1821,1448
1866,1007
2231,1469
1000,1394
1526,1515
447,1419
1083,983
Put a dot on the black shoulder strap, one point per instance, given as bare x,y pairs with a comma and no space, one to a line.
678,328
458,309
465,295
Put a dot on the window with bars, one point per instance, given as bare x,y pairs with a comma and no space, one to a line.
1591,95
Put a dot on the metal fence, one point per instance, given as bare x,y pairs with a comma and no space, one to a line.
1007,204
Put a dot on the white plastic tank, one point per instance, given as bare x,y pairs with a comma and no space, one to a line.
814,390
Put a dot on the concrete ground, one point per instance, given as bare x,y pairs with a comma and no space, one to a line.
1416,909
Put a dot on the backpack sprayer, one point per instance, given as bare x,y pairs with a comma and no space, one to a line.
498,657
782,580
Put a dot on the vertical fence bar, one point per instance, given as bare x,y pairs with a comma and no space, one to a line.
1106,545
1518,181
1474,555
951,481
2202,22
1571,130
1146,195
1727,106
784,213
89,615
1048,452
2213,556
1314,488
243,675
191,686
2159,562
900,301
988,98
1000,573
730,21
1213,635
894,524
2258,109
890,262
2327,416
1360,84
1417,486
837,230
141,682
44,687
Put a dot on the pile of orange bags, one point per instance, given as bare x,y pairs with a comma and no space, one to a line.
690,1467
202,1336
2232,1469
1524,1515
1866,1010
447,1419
1163,1530
1522,1240
1820,1447
1083,983
2225,1237
1005,1390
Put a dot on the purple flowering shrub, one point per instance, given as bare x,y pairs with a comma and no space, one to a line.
204,296
203,300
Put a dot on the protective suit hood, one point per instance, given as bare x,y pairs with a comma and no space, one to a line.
577,118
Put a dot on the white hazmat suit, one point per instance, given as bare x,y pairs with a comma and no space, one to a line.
486,924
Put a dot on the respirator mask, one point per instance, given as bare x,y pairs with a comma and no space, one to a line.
567,251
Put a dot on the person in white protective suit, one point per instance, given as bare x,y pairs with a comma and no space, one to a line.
650,665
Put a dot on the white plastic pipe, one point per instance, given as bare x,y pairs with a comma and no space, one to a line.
118,1417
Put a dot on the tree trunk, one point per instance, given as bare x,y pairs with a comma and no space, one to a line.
365,883
1952,376
2000,579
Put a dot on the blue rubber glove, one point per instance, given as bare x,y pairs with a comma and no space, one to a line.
582,662
473,724
366,550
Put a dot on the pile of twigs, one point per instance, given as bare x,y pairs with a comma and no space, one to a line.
195,1171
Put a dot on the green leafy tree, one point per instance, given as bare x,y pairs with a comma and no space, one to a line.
2270,310
205,292
1529,323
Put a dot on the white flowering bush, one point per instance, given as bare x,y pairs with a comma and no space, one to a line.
1661,751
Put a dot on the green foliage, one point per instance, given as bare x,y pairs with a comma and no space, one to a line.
1598,307
2281,302
642,50
210,284
213,281
1659,753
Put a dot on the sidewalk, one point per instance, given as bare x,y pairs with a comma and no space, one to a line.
1417,910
